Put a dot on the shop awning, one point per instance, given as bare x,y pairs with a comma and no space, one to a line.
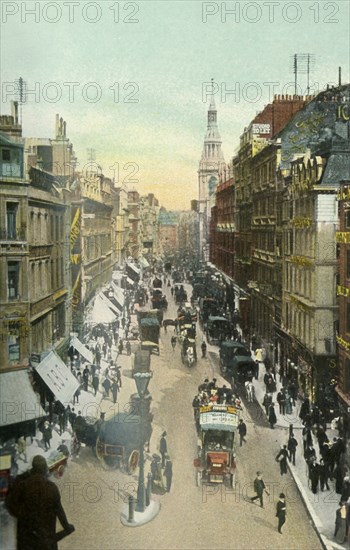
133,272
58,377
118,294
101,313
109,304
79,346
144,262
19,402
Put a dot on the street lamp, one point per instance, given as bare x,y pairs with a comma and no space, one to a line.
142,380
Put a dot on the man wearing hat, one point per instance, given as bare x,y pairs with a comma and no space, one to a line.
163,448
259,488
36,503
281,511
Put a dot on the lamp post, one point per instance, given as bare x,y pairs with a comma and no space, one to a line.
142,380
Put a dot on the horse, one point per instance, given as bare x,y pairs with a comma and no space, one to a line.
168,323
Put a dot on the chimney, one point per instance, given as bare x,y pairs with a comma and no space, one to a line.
57,124
14,111
339,76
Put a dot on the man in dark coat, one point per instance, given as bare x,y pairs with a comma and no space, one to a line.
107,385
95,382
36,503
281,511
267,402
168,473
324,474
114,388
272,416
47,435
314,475
163,448
71,417
292,447
281,400
242,430
259,488
86,374
282,459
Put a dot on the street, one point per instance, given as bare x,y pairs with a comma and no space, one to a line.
190,516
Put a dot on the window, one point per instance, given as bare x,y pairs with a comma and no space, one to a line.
347,219
13,279
11,220
348,264
13,343
6,155
348,317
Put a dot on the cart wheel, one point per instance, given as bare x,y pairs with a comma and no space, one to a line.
198,478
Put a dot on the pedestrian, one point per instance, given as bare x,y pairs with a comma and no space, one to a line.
96,382
71,417
76,395
304,409
292,447
62,422
282,459
281,400
281,511
86,374
307,438
36,503
128,347
288,403
242,430
259,355
107,386
163,448
98,356
168,473
267,402
120,346
314,475
272,416
22,448
119,376
114,388
123,322
47,435
324,475
259,488
341,521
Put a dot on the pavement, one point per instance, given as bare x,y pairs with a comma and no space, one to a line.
322,506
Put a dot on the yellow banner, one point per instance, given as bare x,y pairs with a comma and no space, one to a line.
75,228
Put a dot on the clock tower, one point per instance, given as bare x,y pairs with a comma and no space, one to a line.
211,165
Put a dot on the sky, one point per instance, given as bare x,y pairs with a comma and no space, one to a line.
129,77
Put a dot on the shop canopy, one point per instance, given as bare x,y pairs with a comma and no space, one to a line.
101,313
109,304
19,402
133,272
79,346
144,262
130,281
58,377
118,294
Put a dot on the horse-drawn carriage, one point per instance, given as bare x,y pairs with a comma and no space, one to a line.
188,351
159,300
236,362
218,328
180,294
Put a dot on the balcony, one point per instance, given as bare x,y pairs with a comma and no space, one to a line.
13,235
